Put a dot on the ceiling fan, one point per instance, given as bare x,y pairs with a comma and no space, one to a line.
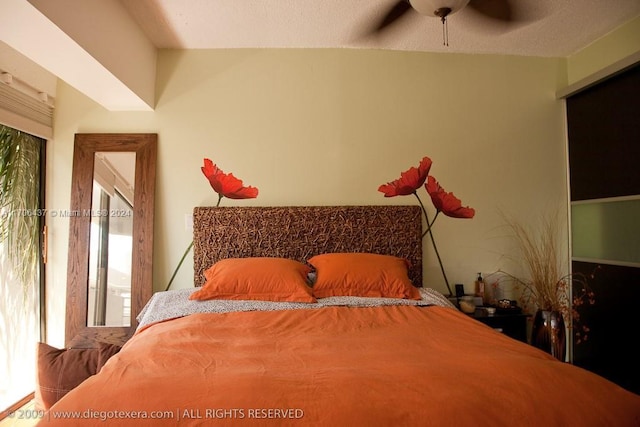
496,9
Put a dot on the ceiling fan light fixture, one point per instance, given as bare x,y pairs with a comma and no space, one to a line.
443,12
437,8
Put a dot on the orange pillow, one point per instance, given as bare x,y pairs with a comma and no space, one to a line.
261,278
363,275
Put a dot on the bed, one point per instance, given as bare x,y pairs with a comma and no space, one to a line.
353,345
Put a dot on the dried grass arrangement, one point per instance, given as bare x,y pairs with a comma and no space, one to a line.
548,287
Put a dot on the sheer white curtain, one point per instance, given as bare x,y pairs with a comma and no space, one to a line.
20,222
19,333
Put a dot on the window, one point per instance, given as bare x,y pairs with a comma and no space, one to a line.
21,282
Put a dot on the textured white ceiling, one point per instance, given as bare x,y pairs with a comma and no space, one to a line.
90,45
548,28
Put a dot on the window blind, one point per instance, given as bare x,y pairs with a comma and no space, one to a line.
25,112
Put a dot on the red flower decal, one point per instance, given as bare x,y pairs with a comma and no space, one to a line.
409,181
445,202
227,185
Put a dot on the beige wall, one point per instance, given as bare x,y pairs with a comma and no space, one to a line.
325,127
622,43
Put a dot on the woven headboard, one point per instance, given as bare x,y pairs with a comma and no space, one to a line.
301,232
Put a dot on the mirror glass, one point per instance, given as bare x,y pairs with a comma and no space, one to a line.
111,239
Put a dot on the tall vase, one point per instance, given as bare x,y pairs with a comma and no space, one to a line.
549,334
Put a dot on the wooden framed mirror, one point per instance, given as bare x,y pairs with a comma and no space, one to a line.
109,272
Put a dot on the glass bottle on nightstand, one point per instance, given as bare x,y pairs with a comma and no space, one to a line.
480,287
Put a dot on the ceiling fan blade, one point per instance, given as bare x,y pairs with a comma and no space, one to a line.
396,12
495,9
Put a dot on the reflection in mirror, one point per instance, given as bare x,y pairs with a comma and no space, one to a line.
111,239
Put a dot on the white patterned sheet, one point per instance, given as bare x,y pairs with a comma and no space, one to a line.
176,303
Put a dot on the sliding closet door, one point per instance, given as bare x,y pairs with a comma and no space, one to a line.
604,165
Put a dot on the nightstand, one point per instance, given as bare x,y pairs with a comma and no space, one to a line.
513,325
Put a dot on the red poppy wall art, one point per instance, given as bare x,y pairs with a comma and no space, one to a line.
225,185
410,182
445,202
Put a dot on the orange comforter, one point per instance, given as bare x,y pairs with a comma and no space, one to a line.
339,366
